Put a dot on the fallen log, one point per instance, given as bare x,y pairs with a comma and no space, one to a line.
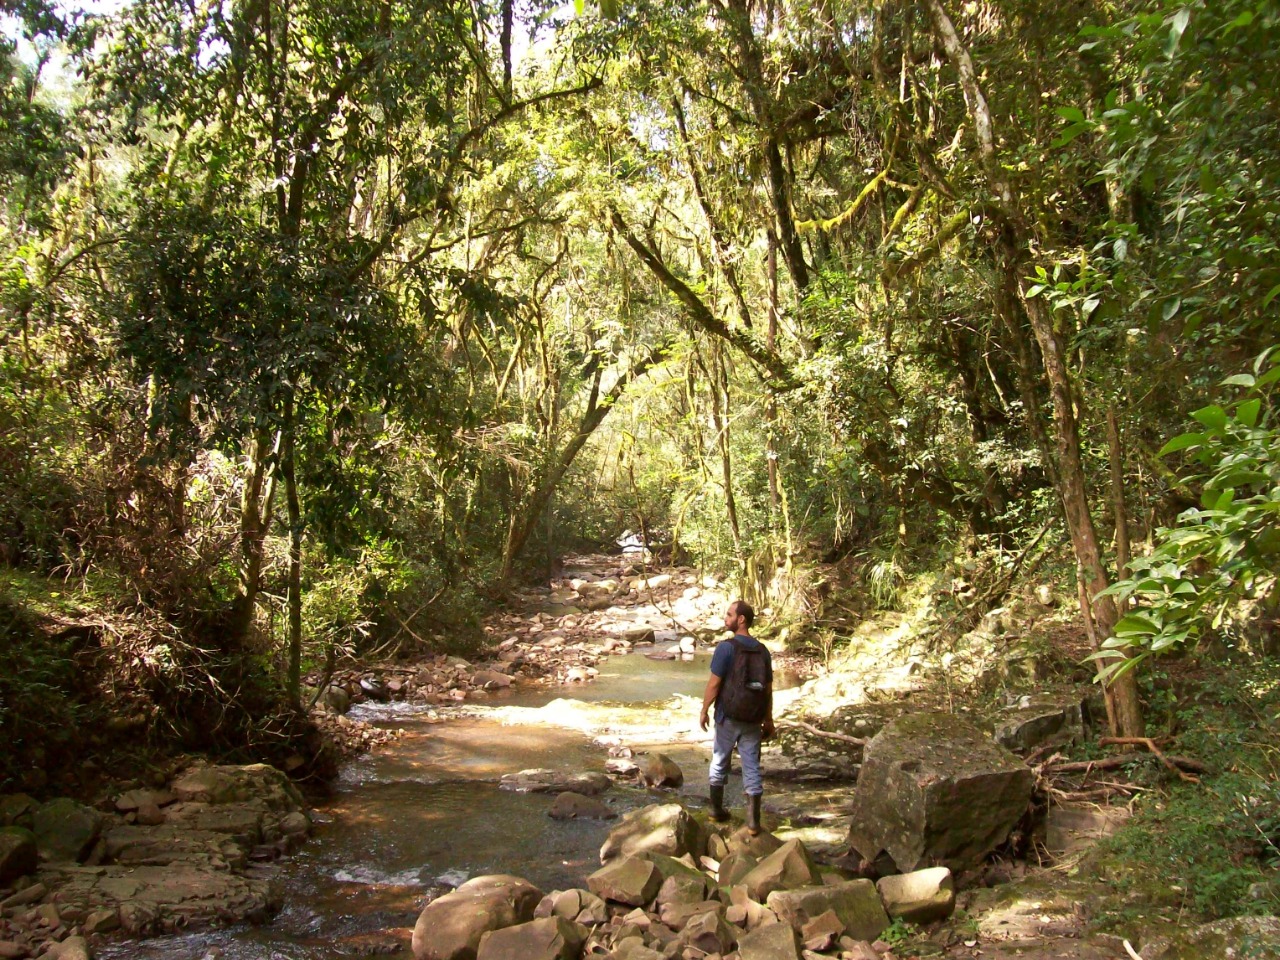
1120,760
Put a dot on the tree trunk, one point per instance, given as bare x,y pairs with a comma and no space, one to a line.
1116,456
288,467
255,521
720,420
1072,487
771,406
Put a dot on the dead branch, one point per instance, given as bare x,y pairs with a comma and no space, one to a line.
809,728
1123,759
1150,745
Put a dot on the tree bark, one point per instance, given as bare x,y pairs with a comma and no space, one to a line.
1118,508
255,522
771,405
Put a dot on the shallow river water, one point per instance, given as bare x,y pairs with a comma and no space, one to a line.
426,810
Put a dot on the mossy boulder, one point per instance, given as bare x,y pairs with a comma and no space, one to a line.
936,790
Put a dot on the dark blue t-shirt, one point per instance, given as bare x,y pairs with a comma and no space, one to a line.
722,661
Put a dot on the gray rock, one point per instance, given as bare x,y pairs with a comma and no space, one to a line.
574,806
629,880
734,868
855,902
788,867
682,888
773,941
72,948
677,915
552,938
920,897
658,828
936,790
659,770
1039,719
234,784
18,855
336,698
450,928
66,830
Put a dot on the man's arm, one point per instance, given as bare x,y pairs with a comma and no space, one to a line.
709,697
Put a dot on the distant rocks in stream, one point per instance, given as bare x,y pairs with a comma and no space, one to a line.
192,853
661,895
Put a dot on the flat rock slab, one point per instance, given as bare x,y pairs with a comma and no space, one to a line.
160,899
855,902
554,781
666,828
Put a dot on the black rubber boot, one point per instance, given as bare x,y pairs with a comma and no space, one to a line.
753,815
718,813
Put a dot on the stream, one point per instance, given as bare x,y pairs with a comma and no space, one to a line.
426,811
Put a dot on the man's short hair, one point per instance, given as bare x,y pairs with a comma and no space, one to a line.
743,609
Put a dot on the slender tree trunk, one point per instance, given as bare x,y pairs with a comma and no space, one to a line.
288,468
1072,487
1116,456
255,522
771,406
718,381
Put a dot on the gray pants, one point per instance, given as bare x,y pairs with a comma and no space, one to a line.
746,737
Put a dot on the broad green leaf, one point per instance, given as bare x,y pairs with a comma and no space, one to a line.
1073,114
1239,380
1170,309
1135,624
1181,442
1247,412
1177,27
1271,295
1212,416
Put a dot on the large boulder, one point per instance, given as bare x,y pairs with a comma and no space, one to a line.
574,806
665,828
920,897
630,880
552,938
709,933
450,928
66,830
788,867
936,790
1220,939
554,781
855,902
17,854
16,810
1037,719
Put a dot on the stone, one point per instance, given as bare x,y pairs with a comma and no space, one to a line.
149,815
757,847
553,781
919,897
12,950
935,790
822,931
450,928
552,938
633,948
1039,719
855,902
666,828
659,770
1072,828
215,784
66,830
72,948
18,855
788,867
774,941
709,932
574,806
336,699
629,880
102,921
296,824
32,894
16,810
491,680
682,889
734,868
677,915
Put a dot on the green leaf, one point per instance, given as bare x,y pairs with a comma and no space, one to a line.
1072,114
1212,416
1271,295
1177,27
1136,625
1181,442
1247,412
579,7
1070,133
1170,309
1239,380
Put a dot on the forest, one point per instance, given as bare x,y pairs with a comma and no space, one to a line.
327,326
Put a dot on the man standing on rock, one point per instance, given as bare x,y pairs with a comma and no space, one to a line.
741,687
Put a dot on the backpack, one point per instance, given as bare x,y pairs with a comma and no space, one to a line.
744,695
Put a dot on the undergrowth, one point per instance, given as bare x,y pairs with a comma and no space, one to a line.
1210,849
